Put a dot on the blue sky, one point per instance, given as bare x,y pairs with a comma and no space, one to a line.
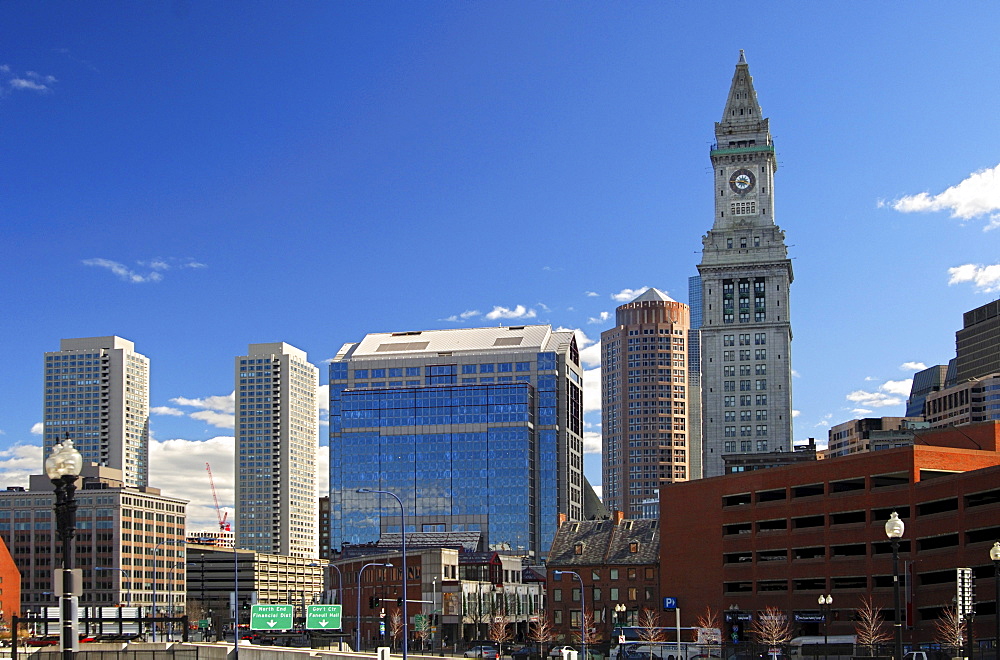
196,177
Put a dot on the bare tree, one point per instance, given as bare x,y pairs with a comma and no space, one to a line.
499,631
771,628
649,629
396,626
542,631
422,629
594,634
709,619
949,629
870,626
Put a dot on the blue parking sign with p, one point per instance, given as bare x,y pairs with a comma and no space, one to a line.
669,603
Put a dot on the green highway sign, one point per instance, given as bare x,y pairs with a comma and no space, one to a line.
271,617
323,617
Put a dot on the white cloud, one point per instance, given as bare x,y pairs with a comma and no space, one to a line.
889,393
900,387
218,411
18,462
796,413
591,294
795,374
912,366
215,418
464,316
592,390
38,428
985,278
177,467
21,83
155,266
824,421
978,195
166,410
30,80
221,403
322,397
591,442
600,318
590,350
628,295
123,272
857,412
519,312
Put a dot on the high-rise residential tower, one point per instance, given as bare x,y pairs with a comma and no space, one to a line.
977,344
745,273
97,391
644,401
277,436
475,430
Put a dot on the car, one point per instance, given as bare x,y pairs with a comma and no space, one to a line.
488,652
526,653
557,651
638,652
49,640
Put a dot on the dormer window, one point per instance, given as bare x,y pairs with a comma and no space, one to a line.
578,548
633,547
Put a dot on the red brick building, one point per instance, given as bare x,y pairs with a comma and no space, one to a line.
617,561
784,536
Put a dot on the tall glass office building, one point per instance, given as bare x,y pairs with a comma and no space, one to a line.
473,429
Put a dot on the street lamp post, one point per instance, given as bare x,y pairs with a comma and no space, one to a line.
620,618
894,530
824,607
583,610
402,529
340,583
155,548
995,556
63,467
125,574
357,631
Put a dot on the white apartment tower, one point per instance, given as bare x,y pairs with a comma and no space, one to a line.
97,392
277,437
745,273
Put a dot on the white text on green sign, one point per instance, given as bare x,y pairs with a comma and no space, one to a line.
323,617
271,617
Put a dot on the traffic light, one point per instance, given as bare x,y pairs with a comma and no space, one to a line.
373,602
399,602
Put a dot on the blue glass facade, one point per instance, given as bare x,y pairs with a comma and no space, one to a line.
486,440
459,479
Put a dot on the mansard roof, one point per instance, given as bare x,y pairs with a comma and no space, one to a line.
605,542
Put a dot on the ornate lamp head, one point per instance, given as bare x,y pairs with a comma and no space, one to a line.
64,460
894,526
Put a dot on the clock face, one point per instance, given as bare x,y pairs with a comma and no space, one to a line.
742,181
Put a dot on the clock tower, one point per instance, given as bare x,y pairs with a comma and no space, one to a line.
745,274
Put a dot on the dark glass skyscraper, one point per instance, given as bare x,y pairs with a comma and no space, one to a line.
473,429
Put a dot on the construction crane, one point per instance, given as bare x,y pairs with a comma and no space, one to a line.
223,525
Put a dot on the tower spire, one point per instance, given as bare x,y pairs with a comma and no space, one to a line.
742,108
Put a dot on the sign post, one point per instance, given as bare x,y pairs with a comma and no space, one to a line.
323,617
271,617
